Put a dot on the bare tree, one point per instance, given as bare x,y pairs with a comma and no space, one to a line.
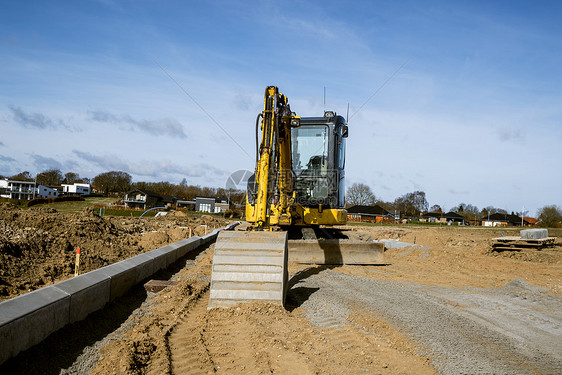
23,176
468,211
360,194
412,204
113,182
71,177
551,216
52,177
488,210
436,208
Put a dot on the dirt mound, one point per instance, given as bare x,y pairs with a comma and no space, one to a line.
37,245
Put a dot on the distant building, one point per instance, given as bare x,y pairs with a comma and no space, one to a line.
434,217
449,217
76,189
46,192
504,220
455,218
143,199
372,214
212,204
23,190
190,205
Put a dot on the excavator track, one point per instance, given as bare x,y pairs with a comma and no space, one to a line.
249,266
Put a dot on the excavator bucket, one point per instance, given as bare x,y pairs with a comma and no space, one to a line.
247,267
336,252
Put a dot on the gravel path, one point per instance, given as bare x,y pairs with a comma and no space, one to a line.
516,329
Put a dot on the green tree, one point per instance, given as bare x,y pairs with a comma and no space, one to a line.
550,216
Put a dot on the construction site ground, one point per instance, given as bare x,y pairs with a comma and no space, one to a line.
447,305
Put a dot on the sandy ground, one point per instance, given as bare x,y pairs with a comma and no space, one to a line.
449,305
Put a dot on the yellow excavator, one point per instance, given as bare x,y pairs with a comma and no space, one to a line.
295,208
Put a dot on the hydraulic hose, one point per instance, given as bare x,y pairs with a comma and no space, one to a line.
257,139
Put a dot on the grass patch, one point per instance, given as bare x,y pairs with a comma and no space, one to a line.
74,207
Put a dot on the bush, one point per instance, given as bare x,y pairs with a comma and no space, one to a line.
550,216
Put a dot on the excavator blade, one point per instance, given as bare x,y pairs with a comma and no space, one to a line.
336,252
247,267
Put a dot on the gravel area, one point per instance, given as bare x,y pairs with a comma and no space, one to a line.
516,329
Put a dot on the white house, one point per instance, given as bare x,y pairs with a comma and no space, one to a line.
76,188
16,189
46,192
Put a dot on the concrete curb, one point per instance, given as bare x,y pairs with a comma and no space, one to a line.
28,319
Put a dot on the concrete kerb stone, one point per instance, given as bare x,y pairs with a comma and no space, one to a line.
143,265
187,245
88,293
123,277
232,226
28,319
158,260
211,236
168,252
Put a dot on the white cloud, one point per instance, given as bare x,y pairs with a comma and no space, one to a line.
155,169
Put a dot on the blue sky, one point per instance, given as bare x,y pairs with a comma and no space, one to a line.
474,115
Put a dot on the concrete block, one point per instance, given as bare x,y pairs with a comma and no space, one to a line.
28,319
158,261
211,237
123,277
232,226
534,234
168,252
88,293
187,245
143,265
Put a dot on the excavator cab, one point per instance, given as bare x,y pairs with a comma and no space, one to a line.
318,160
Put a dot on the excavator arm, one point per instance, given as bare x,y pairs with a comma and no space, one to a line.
273,176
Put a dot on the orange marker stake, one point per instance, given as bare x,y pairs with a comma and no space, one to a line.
77,264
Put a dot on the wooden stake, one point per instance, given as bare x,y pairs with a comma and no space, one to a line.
77,264
205,229
189,232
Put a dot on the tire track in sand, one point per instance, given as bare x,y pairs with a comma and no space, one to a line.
189,353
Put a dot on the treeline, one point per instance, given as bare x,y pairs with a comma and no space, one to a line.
415,203
50,177
117,183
